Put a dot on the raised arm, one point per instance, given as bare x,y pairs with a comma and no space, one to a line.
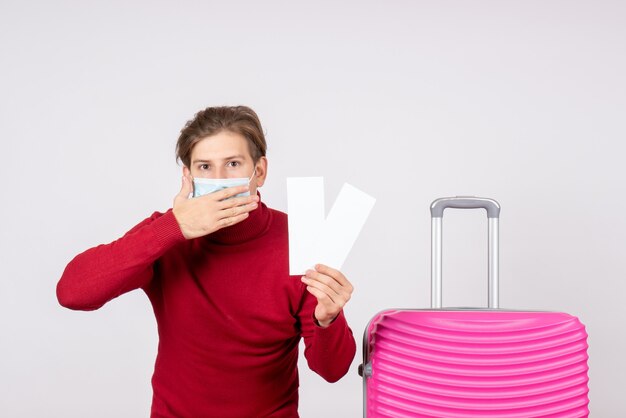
102,273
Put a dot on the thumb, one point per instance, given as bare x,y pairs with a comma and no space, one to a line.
185,190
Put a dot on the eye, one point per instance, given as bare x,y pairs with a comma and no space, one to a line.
203,166
233,164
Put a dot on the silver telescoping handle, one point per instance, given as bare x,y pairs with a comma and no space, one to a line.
461,202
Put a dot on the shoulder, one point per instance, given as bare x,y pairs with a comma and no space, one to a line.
277,226
277,214
278,220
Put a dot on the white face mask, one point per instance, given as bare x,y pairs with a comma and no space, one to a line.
202,186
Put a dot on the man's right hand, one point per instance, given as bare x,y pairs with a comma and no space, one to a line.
206,214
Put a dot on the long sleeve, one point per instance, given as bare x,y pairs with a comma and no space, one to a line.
102,273
329,351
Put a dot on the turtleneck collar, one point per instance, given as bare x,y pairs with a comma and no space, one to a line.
250,228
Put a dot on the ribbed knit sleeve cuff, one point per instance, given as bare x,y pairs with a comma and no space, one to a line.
338,324
167,230
334,350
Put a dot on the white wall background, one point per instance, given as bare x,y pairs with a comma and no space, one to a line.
522,101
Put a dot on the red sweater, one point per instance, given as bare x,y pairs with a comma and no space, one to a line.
229,315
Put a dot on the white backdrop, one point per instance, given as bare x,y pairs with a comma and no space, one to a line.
522,101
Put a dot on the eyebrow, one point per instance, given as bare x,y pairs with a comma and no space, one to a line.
234,157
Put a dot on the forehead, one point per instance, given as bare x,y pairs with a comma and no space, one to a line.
223,145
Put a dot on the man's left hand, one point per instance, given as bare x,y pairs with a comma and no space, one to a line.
332,290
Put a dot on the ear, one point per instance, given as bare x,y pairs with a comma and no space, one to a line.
186,171
261,171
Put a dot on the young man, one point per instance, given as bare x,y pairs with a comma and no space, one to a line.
215,268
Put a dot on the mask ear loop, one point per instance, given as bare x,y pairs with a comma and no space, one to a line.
253,174
193,187
250,179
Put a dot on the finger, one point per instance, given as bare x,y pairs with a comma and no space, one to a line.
334,273
327,280
186,188
224,222
229,192
321,297
237,201
236,210
331,293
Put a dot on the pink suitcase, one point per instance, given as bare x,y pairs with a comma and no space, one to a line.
464,362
